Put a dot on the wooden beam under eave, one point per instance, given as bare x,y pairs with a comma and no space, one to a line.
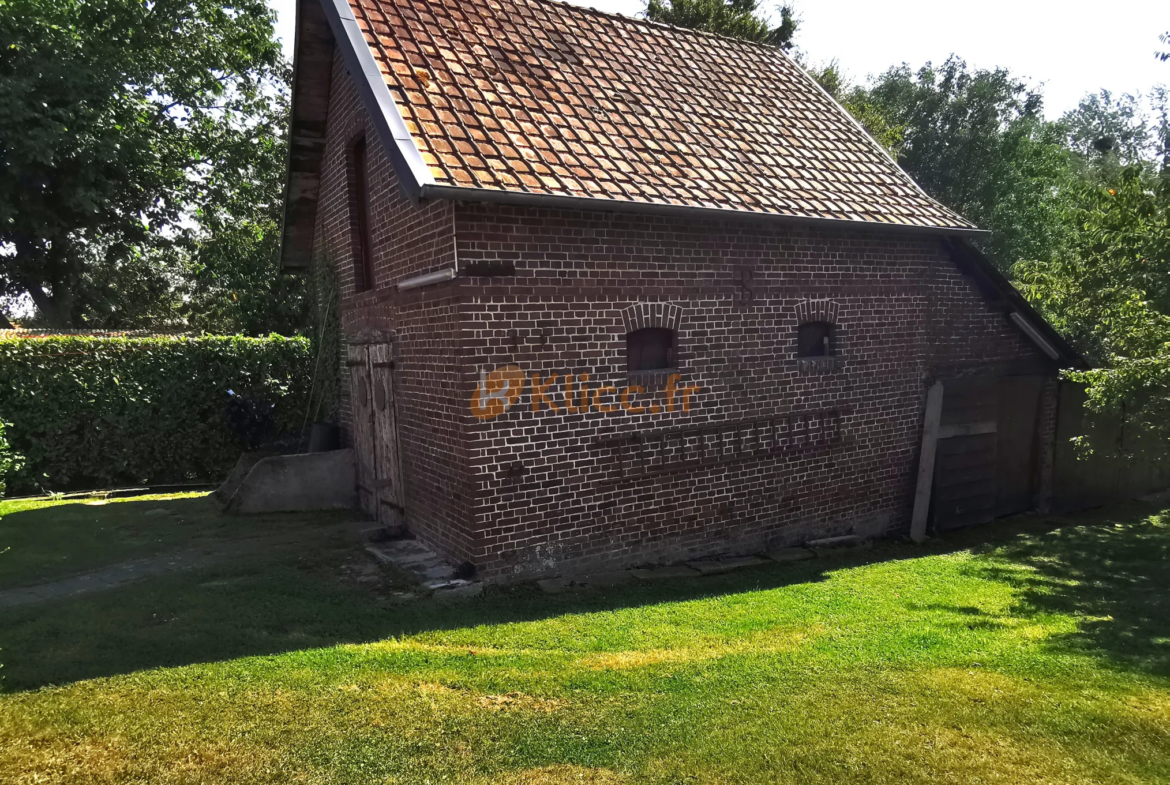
312,85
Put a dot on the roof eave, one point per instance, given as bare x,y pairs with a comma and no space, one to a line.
564,201
1017,308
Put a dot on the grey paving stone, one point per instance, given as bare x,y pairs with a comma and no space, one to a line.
660,573
609,578
595,580
841,550
719,566
846,540
554,585
790,554
456,590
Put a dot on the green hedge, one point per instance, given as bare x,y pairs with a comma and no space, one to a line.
103,412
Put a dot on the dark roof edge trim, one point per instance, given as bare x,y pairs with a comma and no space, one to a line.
286,189
459,193
413,173
1020,312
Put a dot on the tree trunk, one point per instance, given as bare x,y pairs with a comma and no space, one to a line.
52,266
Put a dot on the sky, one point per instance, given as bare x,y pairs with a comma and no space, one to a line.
1069,48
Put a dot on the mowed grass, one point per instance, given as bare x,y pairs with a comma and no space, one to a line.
43,540
1031,651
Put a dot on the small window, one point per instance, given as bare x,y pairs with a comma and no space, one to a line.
650,349
363,263
812,339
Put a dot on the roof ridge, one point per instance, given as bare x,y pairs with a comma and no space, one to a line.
664,25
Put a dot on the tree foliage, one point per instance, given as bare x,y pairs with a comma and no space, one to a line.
977,142
1108,290
1103,125
231,273
112,115
732,18
1110,133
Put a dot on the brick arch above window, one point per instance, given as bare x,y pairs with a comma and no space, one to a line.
641,315
817,311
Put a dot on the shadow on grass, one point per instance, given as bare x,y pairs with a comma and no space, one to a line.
293,598
1112,569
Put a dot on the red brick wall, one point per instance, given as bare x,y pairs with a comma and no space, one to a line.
533,492
904,313
407,239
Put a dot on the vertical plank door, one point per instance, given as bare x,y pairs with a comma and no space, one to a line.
1018,448
965,461
361,399
387,468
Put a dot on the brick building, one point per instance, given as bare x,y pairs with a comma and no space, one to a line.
617,293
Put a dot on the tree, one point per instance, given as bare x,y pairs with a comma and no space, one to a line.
1106,128
1165,39
1108,290
232,275
977,142
732,18
113,115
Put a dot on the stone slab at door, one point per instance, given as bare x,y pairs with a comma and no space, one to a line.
387,466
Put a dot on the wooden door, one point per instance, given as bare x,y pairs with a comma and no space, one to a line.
387,468
987,458
965,459
361,399
1018,443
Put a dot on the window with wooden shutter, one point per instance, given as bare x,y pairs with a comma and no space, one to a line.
813,339
650,349
359,202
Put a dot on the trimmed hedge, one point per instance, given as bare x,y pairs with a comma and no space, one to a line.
102,412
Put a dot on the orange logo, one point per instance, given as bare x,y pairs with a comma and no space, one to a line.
497,391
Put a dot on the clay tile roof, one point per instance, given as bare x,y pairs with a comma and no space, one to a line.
541,97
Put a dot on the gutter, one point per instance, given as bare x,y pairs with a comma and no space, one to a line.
426,279
1015,306
557,201
1029,330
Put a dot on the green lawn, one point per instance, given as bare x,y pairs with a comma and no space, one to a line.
42,540
1031,651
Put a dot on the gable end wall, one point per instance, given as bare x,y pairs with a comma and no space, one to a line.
407,239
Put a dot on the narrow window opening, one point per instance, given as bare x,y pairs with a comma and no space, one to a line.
650,349
360,204
813,339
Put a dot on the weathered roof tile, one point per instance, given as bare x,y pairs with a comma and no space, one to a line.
578,103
